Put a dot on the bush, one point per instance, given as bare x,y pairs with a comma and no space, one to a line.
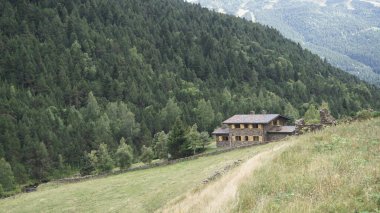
363,115
87,167
147,154
105,162
376,114
124,155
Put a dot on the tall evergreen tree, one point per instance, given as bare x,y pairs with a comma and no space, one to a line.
178,145
7,180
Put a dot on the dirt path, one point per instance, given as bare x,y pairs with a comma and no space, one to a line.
219,196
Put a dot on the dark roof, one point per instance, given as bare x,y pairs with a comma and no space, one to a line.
282,129
253,119
221,131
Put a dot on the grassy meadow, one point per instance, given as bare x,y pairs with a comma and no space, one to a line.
336,170
138,191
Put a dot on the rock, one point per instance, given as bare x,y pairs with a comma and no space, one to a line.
326,118
300,122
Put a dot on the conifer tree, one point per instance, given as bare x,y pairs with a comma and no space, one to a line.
205,115
7,180
178,145
160,146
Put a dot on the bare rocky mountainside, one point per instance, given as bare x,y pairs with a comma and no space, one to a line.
345,32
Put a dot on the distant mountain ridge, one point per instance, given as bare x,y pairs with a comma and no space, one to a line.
345,32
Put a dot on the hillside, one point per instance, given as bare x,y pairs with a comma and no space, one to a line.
334,170
82,78
345,32
302,174
138,191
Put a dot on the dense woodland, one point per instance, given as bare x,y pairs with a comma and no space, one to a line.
92,80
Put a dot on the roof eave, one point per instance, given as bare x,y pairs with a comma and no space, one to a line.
246,122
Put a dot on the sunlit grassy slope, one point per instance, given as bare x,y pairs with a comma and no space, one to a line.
139,191
336,170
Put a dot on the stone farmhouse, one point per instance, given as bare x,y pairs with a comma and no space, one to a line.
240,130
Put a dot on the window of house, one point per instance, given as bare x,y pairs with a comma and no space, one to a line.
255,126
246,138
246,126
237,125
256,138
225,138
238,138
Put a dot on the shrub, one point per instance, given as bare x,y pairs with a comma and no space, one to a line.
105,162
363,115
147,154
124,155
376,114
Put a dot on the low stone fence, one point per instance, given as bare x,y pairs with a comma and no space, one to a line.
152,165
301,129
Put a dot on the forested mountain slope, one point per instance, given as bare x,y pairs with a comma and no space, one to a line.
346,32
75,74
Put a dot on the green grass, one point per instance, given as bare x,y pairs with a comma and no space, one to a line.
336,170
138,191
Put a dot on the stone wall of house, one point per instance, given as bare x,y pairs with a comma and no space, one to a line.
246,132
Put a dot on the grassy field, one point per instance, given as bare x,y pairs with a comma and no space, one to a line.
337,170
139,191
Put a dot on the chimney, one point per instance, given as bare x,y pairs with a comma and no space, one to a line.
264,112
252,112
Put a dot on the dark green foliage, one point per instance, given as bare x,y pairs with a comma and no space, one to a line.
376,114
77,74
124,155
87,167
178,145
101,159
146,154
205,139
160,146
205,115
105,162
7,180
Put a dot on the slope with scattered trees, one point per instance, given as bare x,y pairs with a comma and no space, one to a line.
76,77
